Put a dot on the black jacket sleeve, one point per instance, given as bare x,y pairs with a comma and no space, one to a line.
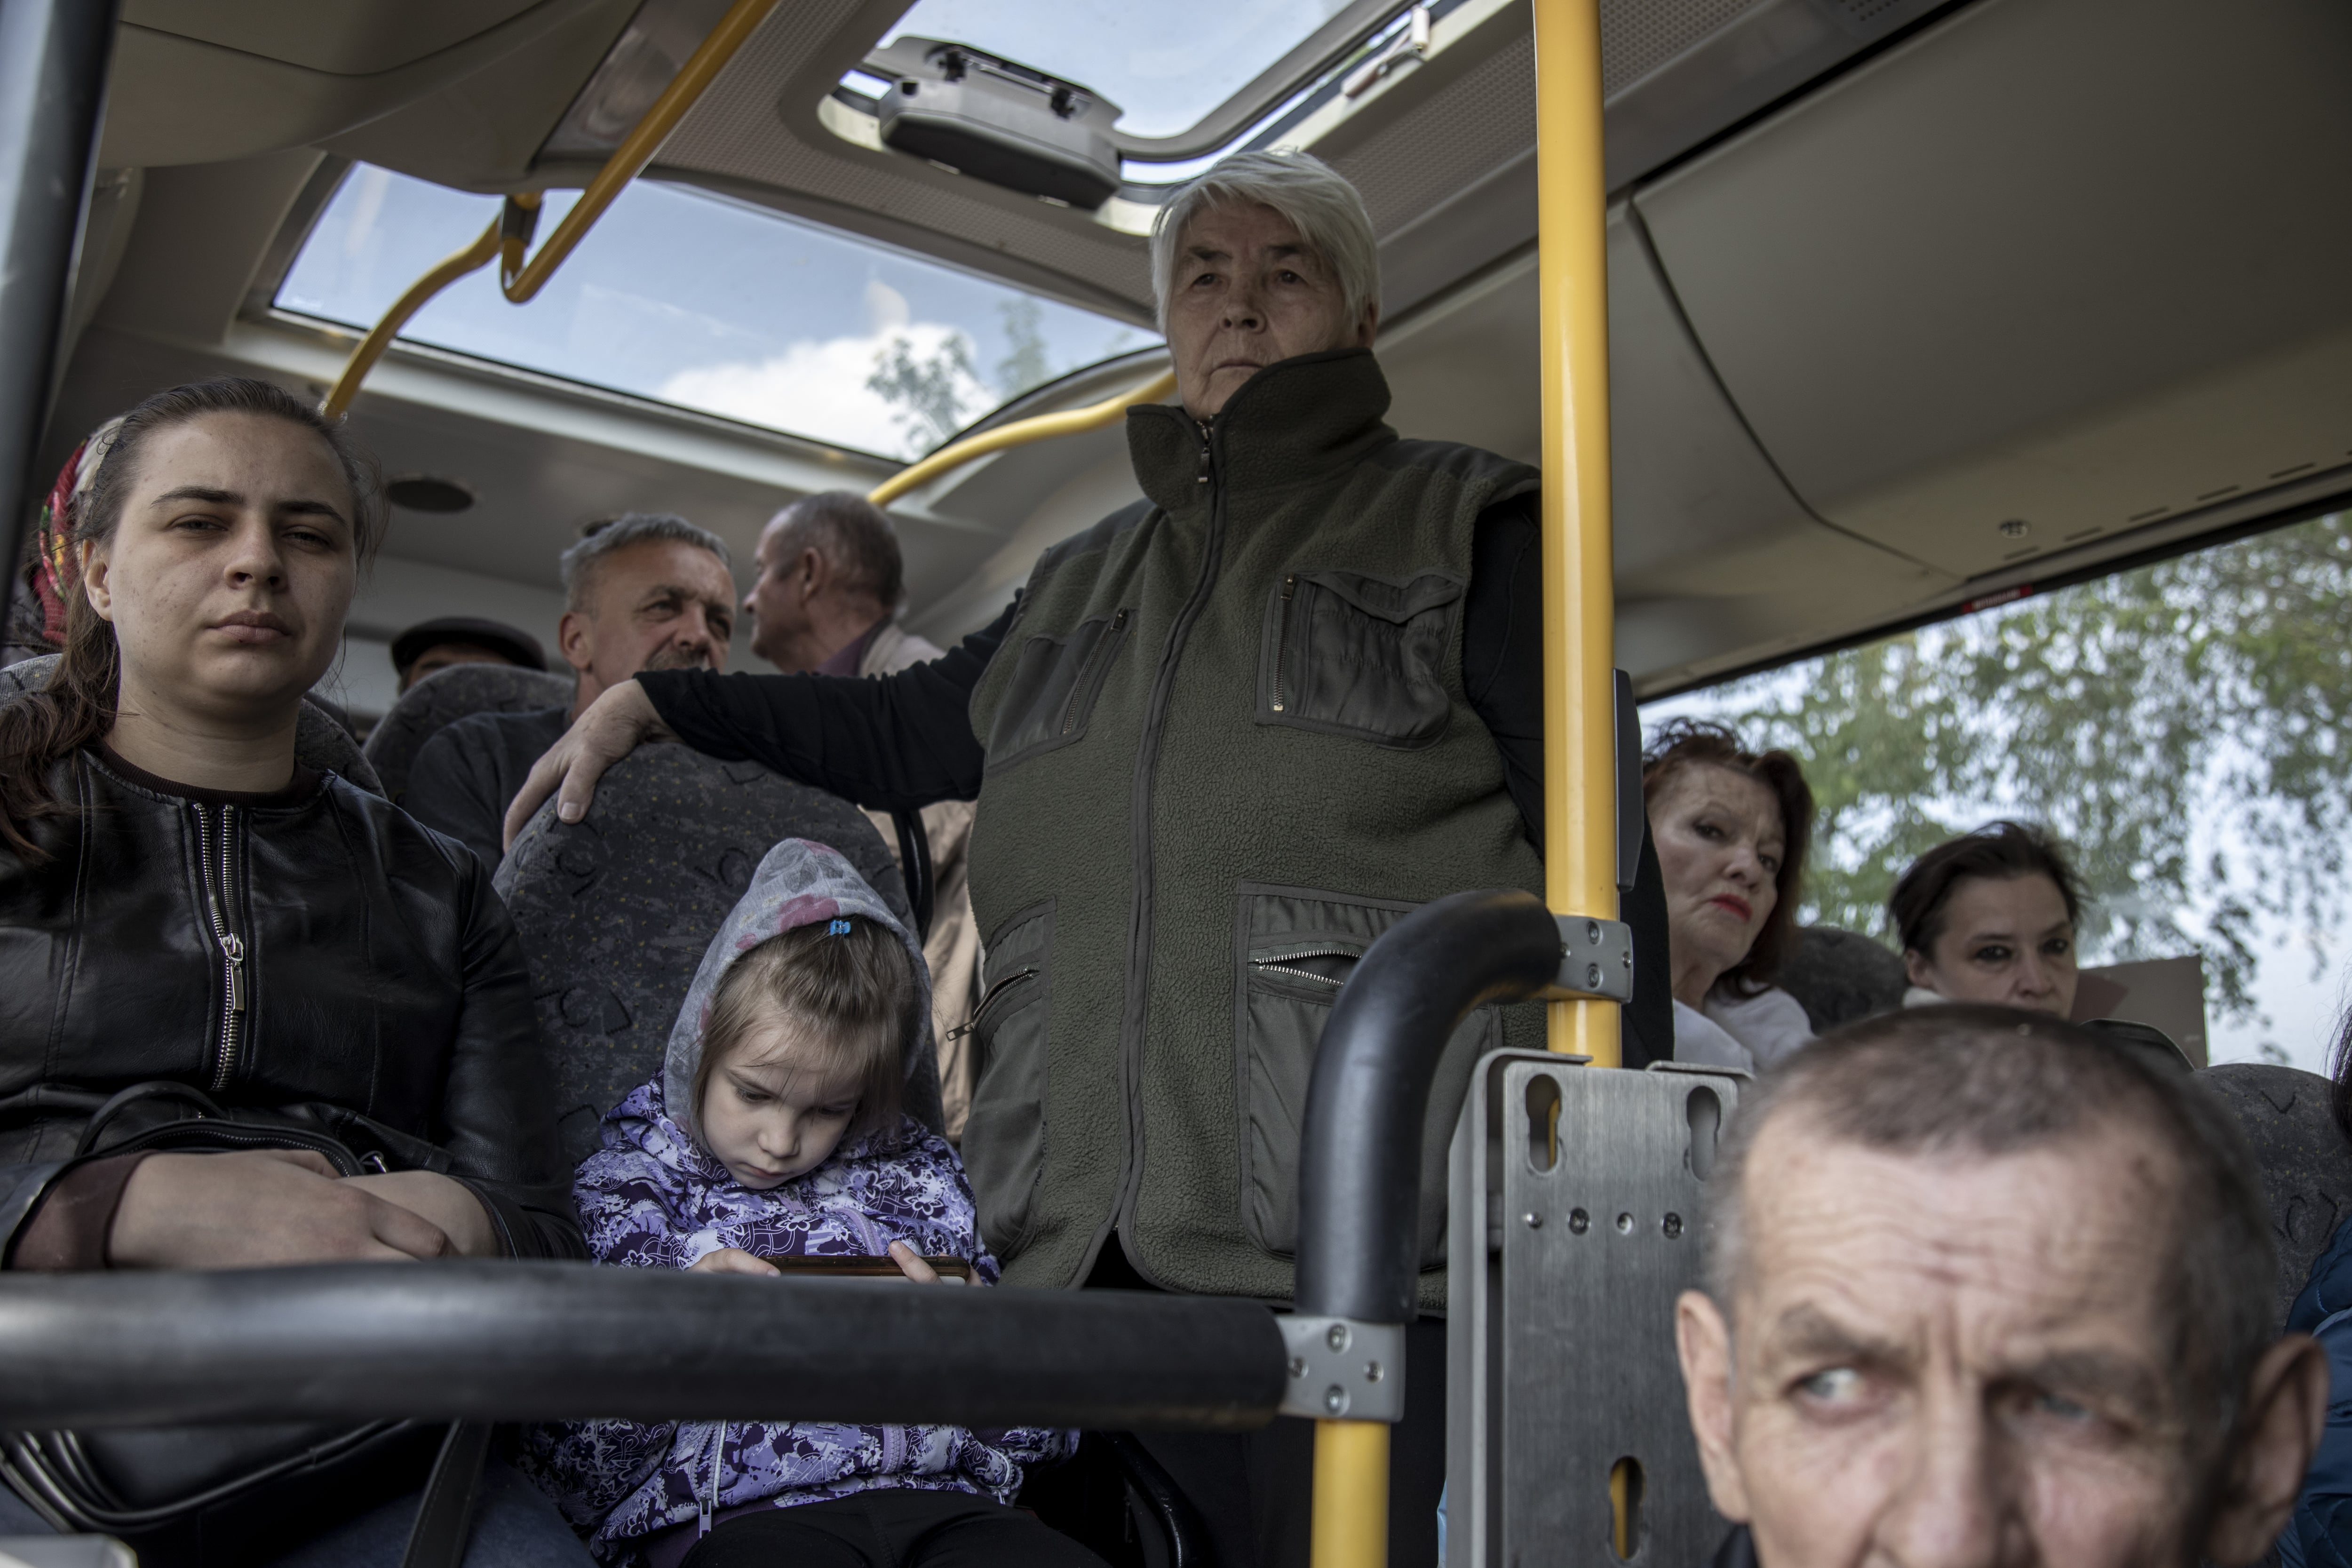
1502,670
499,1117
890,743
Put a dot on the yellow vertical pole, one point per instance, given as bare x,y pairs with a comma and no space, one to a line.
1579,609
1350,1505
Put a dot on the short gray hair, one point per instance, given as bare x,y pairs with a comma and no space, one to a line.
1993,1081
855,537
1319,203
581,563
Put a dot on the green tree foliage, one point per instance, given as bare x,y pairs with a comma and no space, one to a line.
927,391
2183,726
1026,363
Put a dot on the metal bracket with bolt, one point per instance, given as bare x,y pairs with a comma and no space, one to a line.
1340,1367
1596,959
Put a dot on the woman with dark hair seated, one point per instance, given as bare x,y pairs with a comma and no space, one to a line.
1990,916
250,1014
1731,828
2319,1533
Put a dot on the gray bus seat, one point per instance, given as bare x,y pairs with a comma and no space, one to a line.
448,695
2307,1163
1839,975
318,741
614,912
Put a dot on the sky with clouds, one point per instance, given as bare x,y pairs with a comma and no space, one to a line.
694,299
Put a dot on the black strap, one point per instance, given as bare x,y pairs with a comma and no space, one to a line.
445,1517
915,861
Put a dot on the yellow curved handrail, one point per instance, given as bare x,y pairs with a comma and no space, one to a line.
447,271
509,234
1020,433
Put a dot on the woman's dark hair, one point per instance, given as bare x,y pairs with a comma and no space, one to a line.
75,706
2339,1067
848,996
1684,743
1998,849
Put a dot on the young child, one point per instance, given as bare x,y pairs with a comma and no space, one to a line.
775,1129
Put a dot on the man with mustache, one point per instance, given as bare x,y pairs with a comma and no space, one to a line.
643,591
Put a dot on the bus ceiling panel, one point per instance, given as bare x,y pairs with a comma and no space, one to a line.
201,233
180,96
2047,271
351,37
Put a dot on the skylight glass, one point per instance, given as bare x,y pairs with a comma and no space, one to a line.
1165,66
696,300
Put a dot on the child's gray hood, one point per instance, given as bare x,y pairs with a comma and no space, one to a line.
799,883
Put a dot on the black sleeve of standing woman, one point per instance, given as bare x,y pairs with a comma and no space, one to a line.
890,743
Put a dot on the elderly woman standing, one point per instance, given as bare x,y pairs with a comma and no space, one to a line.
1731,828
1223,740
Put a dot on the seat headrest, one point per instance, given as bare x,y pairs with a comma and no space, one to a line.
446,696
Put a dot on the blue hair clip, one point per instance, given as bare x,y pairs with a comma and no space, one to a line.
838,928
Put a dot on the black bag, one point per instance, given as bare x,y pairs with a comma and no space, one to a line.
215,1495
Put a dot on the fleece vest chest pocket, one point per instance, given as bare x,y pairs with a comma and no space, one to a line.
1295,948
1347,653
1005,1136
1055,680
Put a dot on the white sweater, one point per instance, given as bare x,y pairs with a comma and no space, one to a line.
1745,1033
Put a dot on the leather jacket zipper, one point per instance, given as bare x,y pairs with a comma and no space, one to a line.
217,861
1281,646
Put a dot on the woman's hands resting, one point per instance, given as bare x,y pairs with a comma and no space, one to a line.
268,1207
735,1260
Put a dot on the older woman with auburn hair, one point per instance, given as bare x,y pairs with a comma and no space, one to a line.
1731,826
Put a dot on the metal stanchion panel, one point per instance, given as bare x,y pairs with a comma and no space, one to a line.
1575,1225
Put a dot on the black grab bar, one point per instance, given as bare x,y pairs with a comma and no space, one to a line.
529,1341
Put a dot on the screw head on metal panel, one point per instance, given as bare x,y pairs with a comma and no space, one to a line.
1593,933
1625,1225
1298,1366
1374,1372
1579,1221
1335,1400
1592,976
1337,1337
1673,1225
1534,1221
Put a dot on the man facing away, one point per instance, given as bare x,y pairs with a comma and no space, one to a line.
643,591
1986,1290
830,590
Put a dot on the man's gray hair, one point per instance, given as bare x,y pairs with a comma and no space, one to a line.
1993,1081
581,563
1321,205
855,537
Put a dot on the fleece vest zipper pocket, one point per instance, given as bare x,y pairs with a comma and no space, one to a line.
1294,950
1056,682
217,860
1006,1134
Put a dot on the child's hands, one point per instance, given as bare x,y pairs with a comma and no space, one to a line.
911,1263
732,1260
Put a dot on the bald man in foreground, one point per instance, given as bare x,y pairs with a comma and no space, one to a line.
1984,1291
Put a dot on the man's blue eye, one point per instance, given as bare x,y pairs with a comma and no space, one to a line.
2061,1406
1833,1386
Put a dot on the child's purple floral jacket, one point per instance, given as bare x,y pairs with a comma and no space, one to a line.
651,1199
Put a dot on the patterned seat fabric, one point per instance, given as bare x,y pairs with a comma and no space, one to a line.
320,742
615,910
448,695
2306,1163
1839,975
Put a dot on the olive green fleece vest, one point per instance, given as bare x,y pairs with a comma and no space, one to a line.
1228,745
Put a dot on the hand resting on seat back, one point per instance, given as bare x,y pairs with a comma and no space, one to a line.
260,1207
615,724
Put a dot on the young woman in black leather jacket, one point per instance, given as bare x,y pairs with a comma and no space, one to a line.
249,1013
